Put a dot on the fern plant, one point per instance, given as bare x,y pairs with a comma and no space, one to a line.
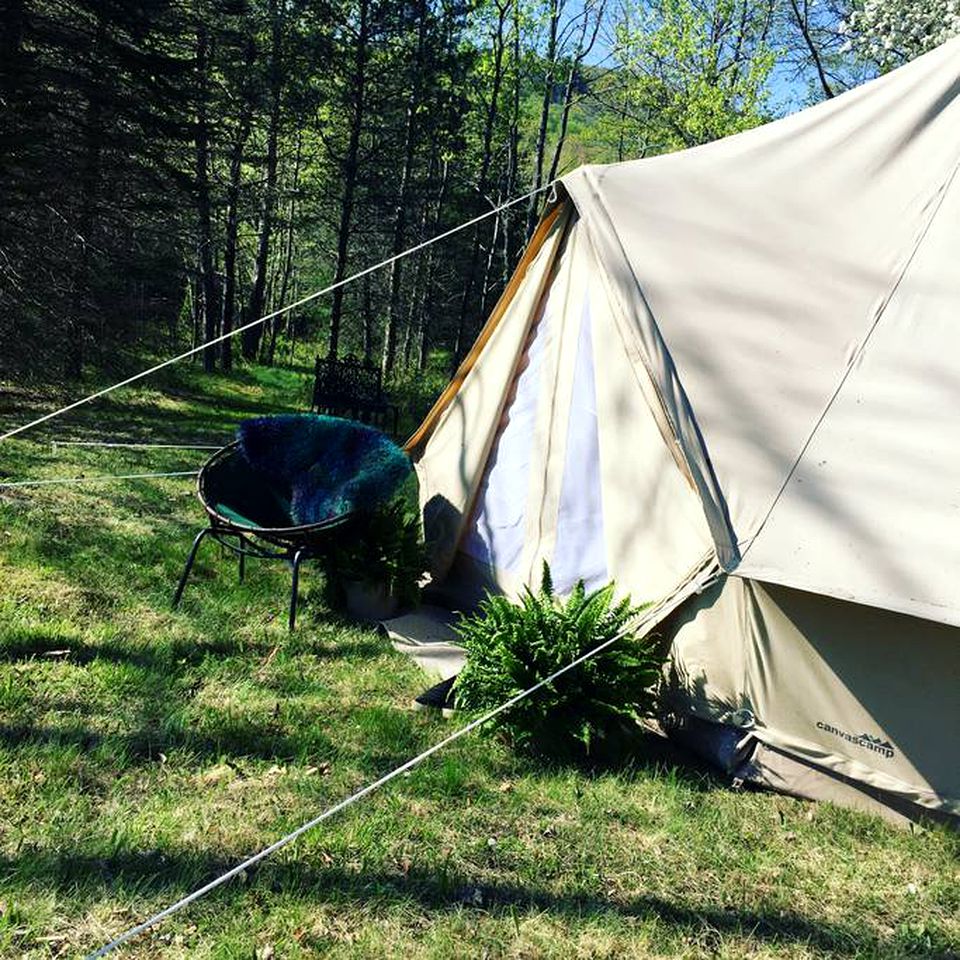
512,646
385,548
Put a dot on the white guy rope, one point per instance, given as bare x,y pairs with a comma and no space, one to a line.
369,788
270,316
135,446
94,479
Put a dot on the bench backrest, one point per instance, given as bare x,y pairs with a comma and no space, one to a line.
347,380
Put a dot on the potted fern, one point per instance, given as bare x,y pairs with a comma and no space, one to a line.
378,567
512,646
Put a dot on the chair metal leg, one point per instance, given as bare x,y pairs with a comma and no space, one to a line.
298,558
189,566
241,553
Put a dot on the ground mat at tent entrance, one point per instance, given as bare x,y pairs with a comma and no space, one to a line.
426,634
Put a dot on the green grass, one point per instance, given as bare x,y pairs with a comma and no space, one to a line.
144,751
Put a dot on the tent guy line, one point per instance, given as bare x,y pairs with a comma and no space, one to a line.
94,479
276,313
135,446
646,620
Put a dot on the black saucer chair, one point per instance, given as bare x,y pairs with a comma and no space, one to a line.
253,494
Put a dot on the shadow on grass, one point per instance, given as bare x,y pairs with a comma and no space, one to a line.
284,388
237,740
391,735
153,873
37,645
158,725
641,751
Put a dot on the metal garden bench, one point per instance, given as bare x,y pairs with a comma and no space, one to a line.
351,387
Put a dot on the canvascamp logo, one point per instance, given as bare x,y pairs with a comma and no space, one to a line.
874,744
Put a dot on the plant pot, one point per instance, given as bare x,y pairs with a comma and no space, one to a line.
369,602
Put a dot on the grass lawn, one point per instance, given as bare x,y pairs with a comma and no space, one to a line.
143,751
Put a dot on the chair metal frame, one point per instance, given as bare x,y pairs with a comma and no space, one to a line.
294,544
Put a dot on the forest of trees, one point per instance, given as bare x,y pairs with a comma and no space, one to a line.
172,169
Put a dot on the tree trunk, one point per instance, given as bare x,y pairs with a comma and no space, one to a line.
196,318
425,315
400,219
512,223
804,27
541,148
488,267
11,72
410,329
93,136
286,266
230,240
369,319
459,345
292,318
255,305
351,169
582,52
208,282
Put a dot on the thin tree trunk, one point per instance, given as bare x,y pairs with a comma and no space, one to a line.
556,6
252,337
93,136
230,241
425,324
292,320
484,173
621,141
287,255
208,281
400,218
11,71
196,317
410,329
513,224
491,253
351,168
369,320
804,27
582,52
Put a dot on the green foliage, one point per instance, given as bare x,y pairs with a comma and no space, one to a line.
386,548
700,70
415,390
512,646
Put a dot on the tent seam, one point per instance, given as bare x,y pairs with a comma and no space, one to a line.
854,361
710,480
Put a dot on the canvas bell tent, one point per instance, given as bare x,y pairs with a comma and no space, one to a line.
729,379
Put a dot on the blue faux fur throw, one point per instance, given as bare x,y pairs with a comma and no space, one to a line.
326,466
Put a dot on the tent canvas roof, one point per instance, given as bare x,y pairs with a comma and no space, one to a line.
794,294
